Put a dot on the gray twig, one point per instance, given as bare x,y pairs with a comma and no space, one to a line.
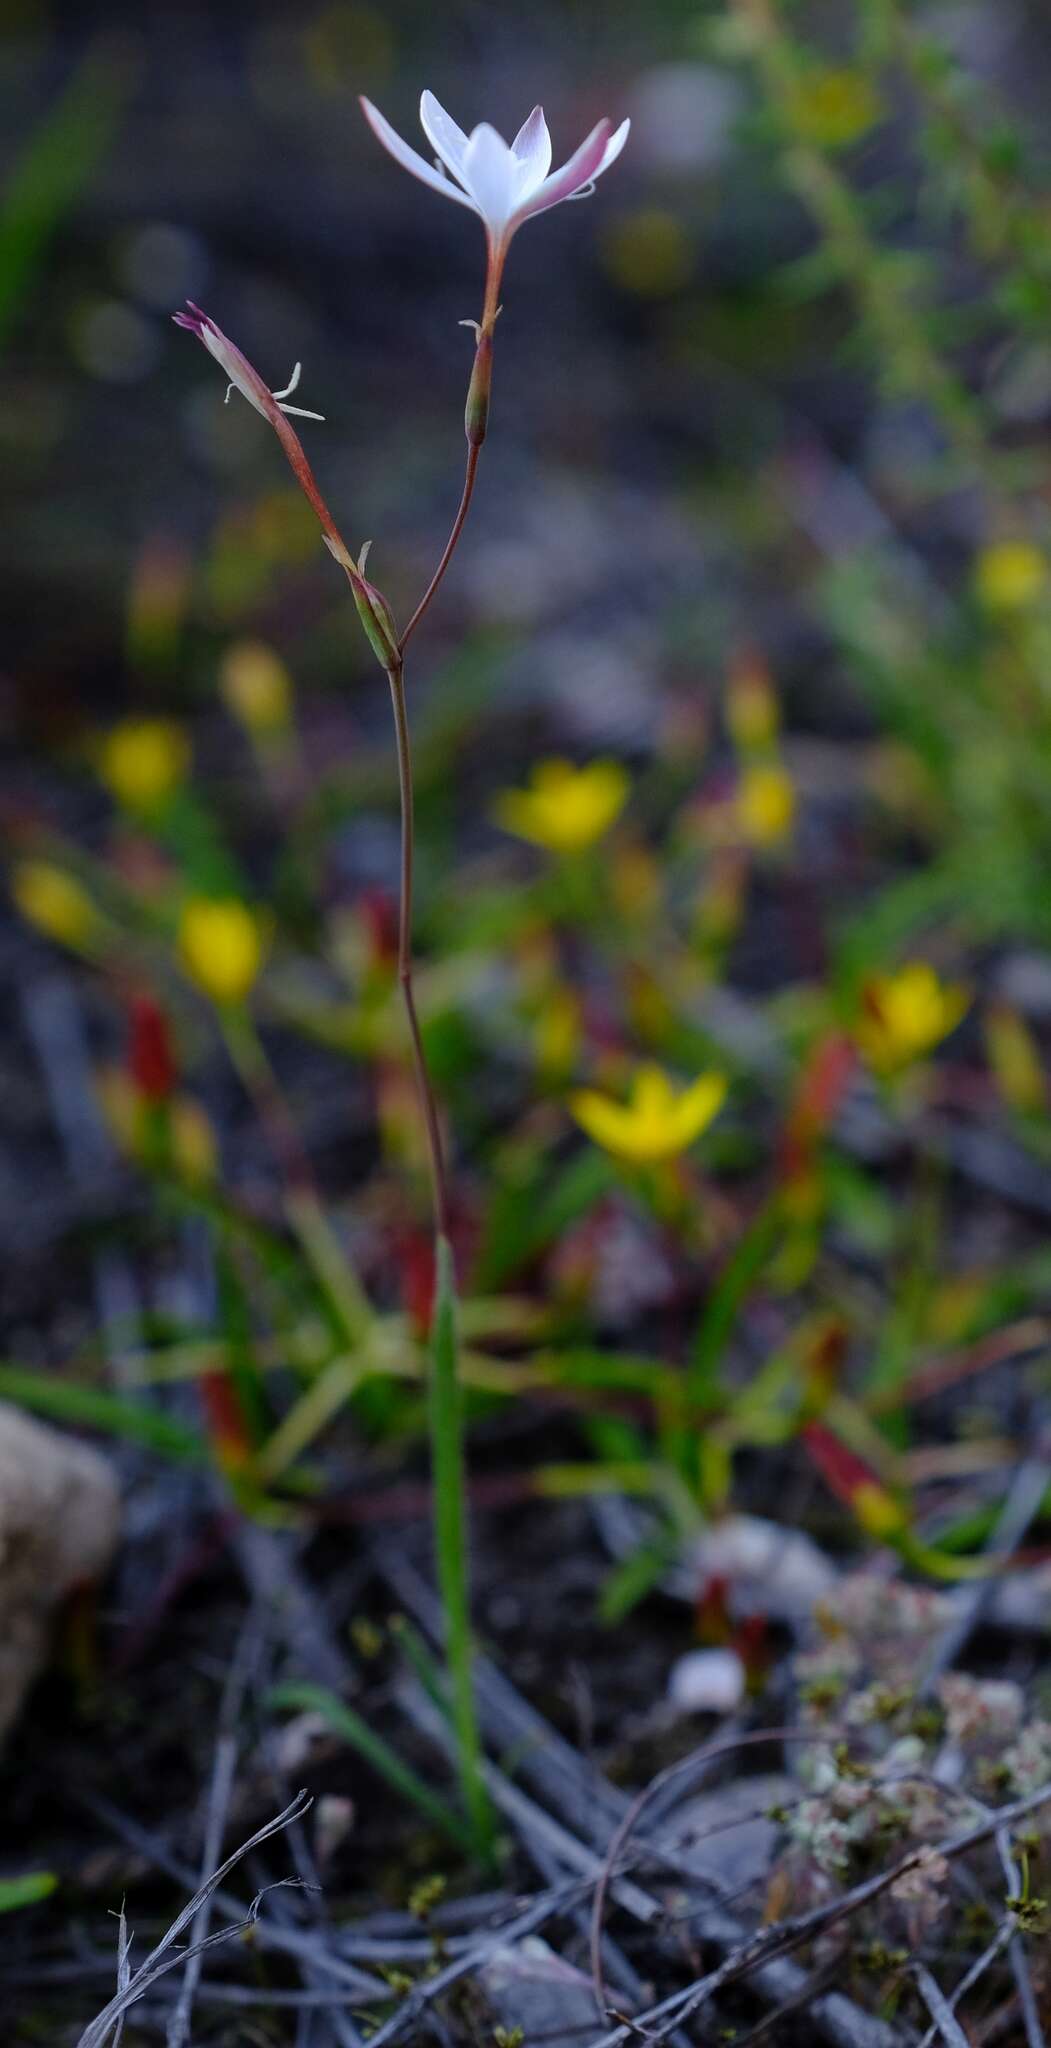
160,1959
946,2023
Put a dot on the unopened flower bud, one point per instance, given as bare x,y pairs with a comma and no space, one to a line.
55,902
476,415
373,609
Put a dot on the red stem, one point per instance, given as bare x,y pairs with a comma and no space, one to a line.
450,545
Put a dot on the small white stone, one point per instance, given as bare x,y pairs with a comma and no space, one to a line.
769,1569
333,1822
707,1682
59,1518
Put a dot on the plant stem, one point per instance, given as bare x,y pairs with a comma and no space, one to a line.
450,1543
439,1185
473,451
476,420
446,1419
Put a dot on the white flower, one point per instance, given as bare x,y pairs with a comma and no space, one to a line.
238,369
503,185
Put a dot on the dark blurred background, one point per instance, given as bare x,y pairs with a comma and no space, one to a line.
220,154
689,438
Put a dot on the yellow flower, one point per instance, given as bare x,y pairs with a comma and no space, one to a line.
54,902
556,1033
221,943
836,107
565,808
751,706
1010,575
1014,1057
766,803
655,1123
191,1140
195,1153
143,761
906,1014
256,686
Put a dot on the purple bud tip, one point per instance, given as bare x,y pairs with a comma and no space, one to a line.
194,320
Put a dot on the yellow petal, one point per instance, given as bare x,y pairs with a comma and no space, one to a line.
54,901
609,1123
221,944
565,809
697,1107
143,761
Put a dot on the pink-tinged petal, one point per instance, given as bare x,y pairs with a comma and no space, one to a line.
446,139
613,148
235,367
489,174
532,147
408,158
583,165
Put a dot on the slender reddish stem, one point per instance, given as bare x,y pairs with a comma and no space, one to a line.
450,546
439,1183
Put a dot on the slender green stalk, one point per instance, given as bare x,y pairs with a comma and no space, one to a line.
450,1542
446,1419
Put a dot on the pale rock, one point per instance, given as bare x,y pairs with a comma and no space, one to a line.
707,1682
59,1520
527,1985
768,1569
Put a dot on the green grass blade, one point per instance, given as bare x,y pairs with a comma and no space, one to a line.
27,1890
94,1408
384,1760
450,1543
48,177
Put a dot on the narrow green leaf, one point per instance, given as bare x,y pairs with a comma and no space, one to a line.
93,1408
52,171
384,1760
27,1890
450,1543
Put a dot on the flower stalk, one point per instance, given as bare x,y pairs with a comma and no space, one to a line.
505,185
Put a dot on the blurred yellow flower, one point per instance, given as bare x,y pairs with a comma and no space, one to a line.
565,809
195,1153
54,901
143,761
191,1143
1014,1057
635,880
1010,575
256,686
906,1014
836,107
557,1033
648,252
766,803
752,712
655,1123
221,943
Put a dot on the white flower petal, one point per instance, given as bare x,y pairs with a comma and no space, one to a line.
613,148
584,164
230,361
489,172
446,139
408,158
532,147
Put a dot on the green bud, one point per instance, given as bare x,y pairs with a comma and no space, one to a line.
476,415
373,609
